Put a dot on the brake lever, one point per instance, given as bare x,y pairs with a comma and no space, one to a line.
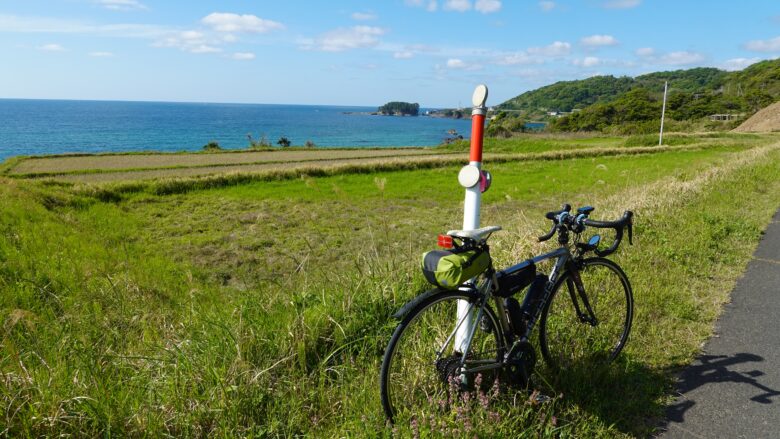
631,233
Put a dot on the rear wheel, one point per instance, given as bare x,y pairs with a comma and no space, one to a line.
565,339
421,366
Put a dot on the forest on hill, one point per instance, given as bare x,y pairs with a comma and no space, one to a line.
628,105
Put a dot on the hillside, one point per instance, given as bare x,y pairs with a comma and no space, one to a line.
568,95
633,105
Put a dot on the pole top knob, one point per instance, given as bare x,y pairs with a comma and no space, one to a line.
480,95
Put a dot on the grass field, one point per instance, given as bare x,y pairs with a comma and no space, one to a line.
260,307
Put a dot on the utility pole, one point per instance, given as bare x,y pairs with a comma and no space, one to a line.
663,113
469,178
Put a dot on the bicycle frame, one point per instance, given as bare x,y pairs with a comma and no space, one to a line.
564,261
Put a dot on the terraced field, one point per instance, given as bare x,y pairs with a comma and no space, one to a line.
119,168
256,305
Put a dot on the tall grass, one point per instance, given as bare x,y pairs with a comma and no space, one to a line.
172,315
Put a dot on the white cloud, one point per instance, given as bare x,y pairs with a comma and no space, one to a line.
517,58
598,41
739,63
429,5
558,48
51,47
645,52
229,22
405,54
455,63
459,64
101,54
363,16
122,5
588,61
771,45
487,6
547,5
457,5
681,58
243,56
204,48
28,24
341,39
188,41
621,4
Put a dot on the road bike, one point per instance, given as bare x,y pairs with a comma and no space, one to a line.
584,309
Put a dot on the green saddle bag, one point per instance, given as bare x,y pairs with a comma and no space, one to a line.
450,268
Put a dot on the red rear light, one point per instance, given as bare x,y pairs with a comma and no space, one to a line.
445,241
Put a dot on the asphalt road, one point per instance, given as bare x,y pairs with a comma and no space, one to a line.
733,389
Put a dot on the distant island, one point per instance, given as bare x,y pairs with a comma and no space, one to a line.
399,109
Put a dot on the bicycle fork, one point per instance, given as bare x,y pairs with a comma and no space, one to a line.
574,283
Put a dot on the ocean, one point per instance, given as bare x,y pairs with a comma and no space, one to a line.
32,127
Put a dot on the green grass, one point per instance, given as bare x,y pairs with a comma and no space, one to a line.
262,308
525,143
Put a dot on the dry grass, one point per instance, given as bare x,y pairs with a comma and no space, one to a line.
292,166
81,163
661,196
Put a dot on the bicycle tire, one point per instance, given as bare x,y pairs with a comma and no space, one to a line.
565,340
409,377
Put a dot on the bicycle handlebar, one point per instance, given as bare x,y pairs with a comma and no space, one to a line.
553,216
578,223
619,226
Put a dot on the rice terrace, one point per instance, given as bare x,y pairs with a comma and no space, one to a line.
249,303
193,245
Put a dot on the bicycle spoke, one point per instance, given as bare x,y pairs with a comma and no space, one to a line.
567,339
416,375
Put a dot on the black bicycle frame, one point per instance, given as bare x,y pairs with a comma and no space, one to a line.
564,261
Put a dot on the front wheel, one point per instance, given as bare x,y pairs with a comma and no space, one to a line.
569,334
421,362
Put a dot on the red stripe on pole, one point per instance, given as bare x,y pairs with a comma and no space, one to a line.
477,129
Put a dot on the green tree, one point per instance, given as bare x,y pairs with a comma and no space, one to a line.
399,108
212,146
284,142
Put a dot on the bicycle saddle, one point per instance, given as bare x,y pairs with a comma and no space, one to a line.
477,234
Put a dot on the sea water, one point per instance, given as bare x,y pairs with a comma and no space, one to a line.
33,127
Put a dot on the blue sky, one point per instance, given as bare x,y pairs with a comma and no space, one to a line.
345,52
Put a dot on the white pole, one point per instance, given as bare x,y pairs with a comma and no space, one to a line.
472,202
471,208
663,113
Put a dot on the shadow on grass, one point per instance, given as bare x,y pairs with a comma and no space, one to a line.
715,369
625,394
630,396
